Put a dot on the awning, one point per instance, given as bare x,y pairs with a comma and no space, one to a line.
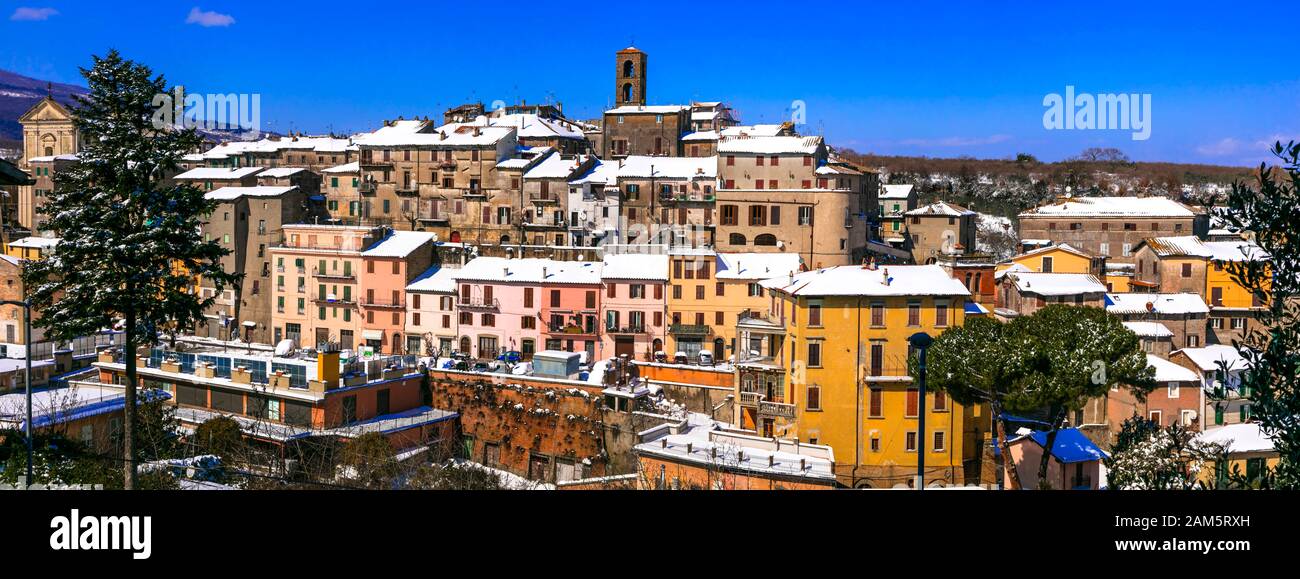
372,334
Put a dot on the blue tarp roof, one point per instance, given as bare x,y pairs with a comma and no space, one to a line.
975,309
1071,446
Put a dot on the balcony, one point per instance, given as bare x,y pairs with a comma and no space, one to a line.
407,190
340,276
545,224
544,200
689,330
625,330
569,330
368,187
750,399
331,300
383,304
776,409
478,304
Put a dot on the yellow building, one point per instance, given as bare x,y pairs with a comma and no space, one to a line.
1063,258
839,336
1188,264
1249,452
32,248
709,294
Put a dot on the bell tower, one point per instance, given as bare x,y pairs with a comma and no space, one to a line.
630,85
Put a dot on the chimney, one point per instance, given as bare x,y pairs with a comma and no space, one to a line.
543,272
506,271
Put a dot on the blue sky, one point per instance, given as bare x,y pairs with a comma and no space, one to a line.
916,78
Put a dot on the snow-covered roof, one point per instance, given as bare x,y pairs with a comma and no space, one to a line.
217,173
1057,284
437,279
639,166
531,126
1209,357
757,266
635,266
1192,246
1241,437
64,404
1149,329
700,136
555,166
855,280
1167,371
1112,207
1175,304
35,242
770,145
941,208
280,172
753,130
897,191
603,173
52,158
647,109
352,167
422,133
233,193
530,270
699,441
398,244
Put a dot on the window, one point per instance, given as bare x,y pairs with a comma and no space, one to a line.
729,216
876,405
940,402
806,215
938,441
757,215
555,298
913,314
814,354
913,402
877,315
814,397
815,315
911,441
940,315
1157,417
1187,270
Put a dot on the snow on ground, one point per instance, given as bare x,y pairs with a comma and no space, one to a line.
509,480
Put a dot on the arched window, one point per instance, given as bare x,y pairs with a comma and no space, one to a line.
627,92
49,151
737,239
464,345
627,69
397,343
505,239
718,349
765,239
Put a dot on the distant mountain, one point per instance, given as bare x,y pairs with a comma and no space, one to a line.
18,93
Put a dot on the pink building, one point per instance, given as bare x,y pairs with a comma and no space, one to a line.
431,312
497,305
390,265
571,306
633,306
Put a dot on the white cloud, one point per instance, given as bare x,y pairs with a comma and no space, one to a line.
208,18
33,14
1221,148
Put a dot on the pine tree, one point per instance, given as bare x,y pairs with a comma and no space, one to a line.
1053,361
1272,352
131,247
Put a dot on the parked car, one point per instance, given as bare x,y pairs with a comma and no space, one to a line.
681,358
511,357
706,358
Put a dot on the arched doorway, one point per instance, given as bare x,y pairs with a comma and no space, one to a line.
464,345
719,350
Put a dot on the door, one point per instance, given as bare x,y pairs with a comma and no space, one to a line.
625,346
322,335
345,339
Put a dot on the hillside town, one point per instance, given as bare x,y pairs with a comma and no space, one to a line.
663,297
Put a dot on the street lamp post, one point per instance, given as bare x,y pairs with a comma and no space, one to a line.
27,351
921,341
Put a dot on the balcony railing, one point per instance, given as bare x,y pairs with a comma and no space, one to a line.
625,330
776,409
384,304
344,275
689,330
544,200
478,303
570,329
750,399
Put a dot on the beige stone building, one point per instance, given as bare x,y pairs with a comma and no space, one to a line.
51,142
1110,227
1022,293
895,200
787,194
939,229
250,221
